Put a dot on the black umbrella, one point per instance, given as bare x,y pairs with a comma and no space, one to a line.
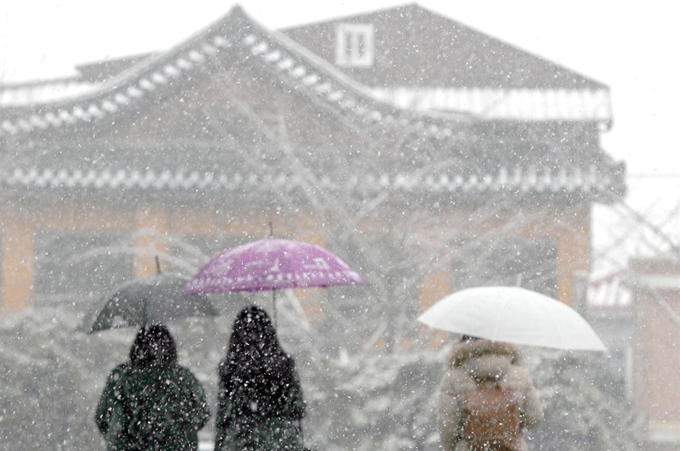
152,299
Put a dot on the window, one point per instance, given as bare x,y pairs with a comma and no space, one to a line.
194,251
506,261
354,45
73,268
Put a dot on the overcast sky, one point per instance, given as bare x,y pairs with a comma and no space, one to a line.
631,46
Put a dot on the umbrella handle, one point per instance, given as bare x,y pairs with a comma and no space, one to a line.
271,235
518,280
144,314
158,265
274,307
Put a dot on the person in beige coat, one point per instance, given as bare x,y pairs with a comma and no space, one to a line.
475,359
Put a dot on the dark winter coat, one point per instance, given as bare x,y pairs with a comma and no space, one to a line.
256,415
483,360
151,407
109,414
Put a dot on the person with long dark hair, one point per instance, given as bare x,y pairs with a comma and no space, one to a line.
151,402
260,402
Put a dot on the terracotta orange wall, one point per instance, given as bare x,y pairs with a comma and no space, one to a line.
17,264
573,251
571,229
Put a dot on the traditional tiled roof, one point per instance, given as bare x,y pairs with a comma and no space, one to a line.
90,78
519,87
237,38
445,65
517,104
502,104
37,93
97,71
235,32
415,46
567,181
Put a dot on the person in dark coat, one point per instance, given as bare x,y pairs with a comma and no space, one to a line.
151,402
260,402
473,360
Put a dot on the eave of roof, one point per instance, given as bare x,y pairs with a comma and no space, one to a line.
567,181
583,100
97,71
37,93
282,56
297,67
578,105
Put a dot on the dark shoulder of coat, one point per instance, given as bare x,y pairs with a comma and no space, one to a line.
108,399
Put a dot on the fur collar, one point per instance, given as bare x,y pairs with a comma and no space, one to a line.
465,351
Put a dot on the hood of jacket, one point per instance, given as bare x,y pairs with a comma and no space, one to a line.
484,359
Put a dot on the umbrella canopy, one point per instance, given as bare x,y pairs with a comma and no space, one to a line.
513,315
152,299
272,264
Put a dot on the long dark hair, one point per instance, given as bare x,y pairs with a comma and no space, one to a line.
153,345
256,366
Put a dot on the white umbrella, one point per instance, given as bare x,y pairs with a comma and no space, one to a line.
513,315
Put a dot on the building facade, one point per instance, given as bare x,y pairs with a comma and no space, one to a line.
203,144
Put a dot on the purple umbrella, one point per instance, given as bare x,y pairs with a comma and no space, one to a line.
272,264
